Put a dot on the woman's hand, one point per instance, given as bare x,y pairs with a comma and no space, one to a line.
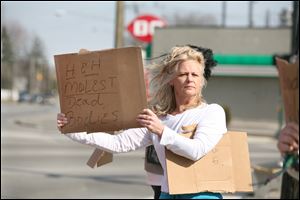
61,120
288,140
149,120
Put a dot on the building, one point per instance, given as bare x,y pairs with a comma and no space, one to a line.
251,92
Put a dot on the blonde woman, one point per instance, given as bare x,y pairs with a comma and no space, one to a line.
176,84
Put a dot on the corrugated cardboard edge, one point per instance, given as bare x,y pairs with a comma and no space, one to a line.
100,157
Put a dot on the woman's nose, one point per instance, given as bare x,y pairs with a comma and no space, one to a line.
189,77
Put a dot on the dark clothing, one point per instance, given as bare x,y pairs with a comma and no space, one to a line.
156,190
153,165
289,187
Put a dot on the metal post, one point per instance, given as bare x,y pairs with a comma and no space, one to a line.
295,28
251,14
267,18
32,78
223,14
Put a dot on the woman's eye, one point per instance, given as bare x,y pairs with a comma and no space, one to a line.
195,75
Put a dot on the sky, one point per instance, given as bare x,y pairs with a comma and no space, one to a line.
66,26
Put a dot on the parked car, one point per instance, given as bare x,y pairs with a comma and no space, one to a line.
40,98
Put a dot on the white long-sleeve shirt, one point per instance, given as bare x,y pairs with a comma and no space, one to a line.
211,127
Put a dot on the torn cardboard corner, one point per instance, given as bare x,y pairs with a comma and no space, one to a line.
224,169
99,158
101,91
289,87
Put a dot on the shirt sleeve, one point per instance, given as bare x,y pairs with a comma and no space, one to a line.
126,141
209,132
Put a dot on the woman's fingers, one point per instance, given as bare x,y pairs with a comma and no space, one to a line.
61,123
144,117
284,147
148,112
144,123
288,139
61,120
148,119
61,115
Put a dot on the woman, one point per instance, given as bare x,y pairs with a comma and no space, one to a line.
177,83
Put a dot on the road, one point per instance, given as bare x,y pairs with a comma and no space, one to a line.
39,162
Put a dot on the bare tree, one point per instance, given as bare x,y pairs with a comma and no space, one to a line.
20,38
285,17
38,67
24,62
18,42
7,59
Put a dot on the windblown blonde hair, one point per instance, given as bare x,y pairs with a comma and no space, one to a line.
162,93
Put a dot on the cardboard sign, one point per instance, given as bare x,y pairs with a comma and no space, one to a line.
101,90
99,158
224,169
289,86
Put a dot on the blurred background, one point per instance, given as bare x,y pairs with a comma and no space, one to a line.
38,162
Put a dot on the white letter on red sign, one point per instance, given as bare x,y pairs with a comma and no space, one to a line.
140,28
153,24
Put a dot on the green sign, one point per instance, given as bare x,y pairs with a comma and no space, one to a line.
235,59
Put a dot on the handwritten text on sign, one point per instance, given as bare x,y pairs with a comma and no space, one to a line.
89,93
101,90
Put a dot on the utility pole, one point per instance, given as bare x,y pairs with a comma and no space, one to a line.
223,14
295,28
251,14
267,19
32,75
119,24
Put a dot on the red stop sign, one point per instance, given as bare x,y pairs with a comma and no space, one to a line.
142,27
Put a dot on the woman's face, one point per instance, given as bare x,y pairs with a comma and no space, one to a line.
188,79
